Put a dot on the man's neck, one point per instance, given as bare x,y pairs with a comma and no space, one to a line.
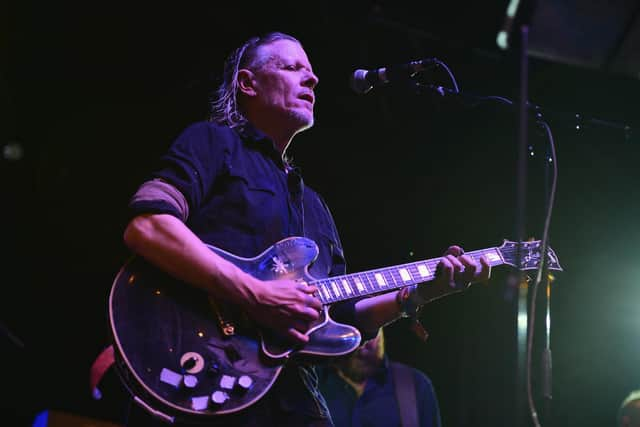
281,137
357,384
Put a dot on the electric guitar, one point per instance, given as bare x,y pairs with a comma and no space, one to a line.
186,357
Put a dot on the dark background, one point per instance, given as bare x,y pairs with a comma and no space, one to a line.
92,93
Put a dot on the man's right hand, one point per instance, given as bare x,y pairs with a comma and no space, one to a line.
289,308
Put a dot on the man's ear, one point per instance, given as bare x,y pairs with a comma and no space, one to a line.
246,82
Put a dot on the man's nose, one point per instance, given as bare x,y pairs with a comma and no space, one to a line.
311,80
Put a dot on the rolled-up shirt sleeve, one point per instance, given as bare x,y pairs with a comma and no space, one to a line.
185,175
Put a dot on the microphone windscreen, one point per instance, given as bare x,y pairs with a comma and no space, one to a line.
359,83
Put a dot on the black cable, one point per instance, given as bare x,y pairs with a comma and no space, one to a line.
541,269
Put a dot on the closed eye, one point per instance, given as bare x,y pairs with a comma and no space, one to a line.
293,67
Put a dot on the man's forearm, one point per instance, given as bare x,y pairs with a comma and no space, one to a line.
166,242
375,312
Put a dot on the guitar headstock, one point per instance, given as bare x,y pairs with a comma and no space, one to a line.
529,255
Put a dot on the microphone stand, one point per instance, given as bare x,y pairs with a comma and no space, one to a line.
520,215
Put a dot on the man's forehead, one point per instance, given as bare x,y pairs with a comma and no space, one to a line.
284,50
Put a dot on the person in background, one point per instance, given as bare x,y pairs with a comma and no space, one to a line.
366,388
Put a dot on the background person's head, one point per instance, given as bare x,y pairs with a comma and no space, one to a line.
629,412
364,362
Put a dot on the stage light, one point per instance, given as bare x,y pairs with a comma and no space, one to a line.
13,151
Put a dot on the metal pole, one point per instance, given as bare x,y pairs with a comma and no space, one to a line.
521,188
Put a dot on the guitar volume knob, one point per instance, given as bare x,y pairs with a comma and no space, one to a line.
219,397
244,383
189,381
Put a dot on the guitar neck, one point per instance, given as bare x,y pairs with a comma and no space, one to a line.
382,280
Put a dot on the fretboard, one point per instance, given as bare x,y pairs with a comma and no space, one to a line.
339,288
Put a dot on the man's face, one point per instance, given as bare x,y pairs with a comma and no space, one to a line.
363,362
284,84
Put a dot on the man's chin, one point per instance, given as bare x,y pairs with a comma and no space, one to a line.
304,119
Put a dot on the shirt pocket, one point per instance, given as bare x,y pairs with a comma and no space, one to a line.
251,204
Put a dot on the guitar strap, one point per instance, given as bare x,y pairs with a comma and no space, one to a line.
405,394
99,367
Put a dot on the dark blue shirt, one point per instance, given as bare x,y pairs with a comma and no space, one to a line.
243,198
377,406
240,197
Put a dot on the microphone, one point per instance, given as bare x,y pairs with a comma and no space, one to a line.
362,81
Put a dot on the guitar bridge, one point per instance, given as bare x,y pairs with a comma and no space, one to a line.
227,327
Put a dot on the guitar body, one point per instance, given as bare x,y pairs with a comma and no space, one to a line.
172,351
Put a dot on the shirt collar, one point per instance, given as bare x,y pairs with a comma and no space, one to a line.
253,136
